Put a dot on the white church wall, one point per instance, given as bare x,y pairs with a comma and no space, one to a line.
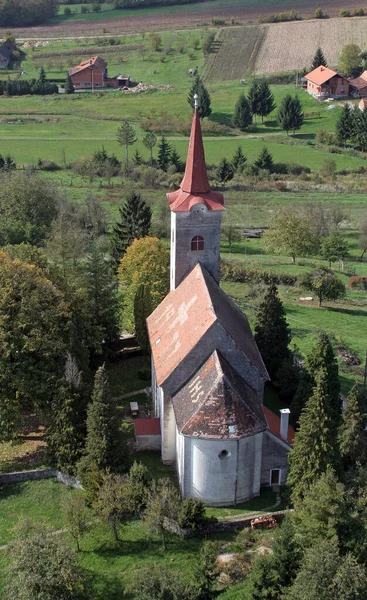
185,226
249,467
274,456
168,431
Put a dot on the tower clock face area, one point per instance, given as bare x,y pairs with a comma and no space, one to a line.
199,211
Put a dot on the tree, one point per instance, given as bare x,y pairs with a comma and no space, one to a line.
322,357
105,447
352,434
207,571
33,323
231,234
145,263
67,431
204,100
350,61
290,233
76,514
324,283
271,324
126,137
264,579
175,159
149,142
111,503
319,59
69,88
290,114
192,514
242,113
162,503
159,582
134,223
363,238
254,98
164,154
155,41
239,159
42,566
42,76
138,480
142,310
314,447
266,103
264,161
225,171
28,205
66,242
334,247
344,124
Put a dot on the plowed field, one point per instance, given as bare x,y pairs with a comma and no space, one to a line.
236,53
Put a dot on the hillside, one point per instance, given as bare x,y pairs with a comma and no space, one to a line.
264,49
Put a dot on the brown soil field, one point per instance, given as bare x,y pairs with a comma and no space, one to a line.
196,16
236,53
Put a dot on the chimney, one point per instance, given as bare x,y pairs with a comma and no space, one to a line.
284,420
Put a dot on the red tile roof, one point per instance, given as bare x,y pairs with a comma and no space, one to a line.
274,425
358,83
194,188
363,103
217,403
364,75
96,61
147,426
321,75
186,315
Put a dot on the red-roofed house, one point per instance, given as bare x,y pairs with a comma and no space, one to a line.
92,74
324,82
359,85
208,375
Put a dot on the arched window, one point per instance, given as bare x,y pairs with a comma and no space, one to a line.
197,243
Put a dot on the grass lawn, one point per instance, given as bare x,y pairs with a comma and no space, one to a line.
262,502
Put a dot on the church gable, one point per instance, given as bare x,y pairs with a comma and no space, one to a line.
217,403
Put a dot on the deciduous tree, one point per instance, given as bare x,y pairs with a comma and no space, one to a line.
350,61
335,247
126,136
149,141
76,513
112,501
290,233
324,283
162,502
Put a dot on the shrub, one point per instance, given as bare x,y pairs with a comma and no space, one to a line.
67,10
207,43
358,282
325,137
191,514
319,14
296,169
219,22
48,165
344,12
358,12
236,271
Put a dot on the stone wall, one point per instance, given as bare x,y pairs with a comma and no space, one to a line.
37,474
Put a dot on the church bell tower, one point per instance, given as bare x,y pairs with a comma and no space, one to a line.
196,214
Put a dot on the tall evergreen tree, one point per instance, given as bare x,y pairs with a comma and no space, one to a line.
175,159
344,125
69,88
142,310
264,161
266,101
105,447
297,114
315,445
322,356
42,76
352,433
254,98
134,223
318,60
101,287
272,332
239,159
242,113
285,113
204,100
164,154
225,171
126,136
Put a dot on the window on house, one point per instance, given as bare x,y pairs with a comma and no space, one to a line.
197,244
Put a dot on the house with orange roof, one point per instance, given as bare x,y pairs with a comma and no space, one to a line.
359,85
92,74
324,83
208,375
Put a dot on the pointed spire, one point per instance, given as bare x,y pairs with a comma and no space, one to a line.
195,180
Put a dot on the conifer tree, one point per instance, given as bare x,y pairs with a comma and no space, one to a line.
142,310
318,60
138,159
69,88
344,125
42,76
175,159
254,98
322,356
126,137
272,332
225,171
164,154
352,434
266,101
105,447
204,100
134,223
297,116
242,113
285,113
239,159
264,161
149,142
315,446
66,434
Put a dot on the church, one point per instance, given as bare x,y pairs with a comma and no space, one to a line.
208,376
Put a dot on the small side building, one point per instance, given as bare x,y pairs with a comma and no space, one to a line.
324,83
6,52
359,86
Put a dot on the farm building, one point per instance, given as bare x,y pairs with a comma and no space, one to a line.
208,376
324,82
92,73
359,85
6,52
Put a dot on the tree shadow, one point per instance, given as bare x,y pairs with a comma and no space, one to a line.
8,490
102,587
348,311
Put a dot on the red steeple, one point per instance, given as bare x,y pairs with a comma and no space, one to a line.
194,188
